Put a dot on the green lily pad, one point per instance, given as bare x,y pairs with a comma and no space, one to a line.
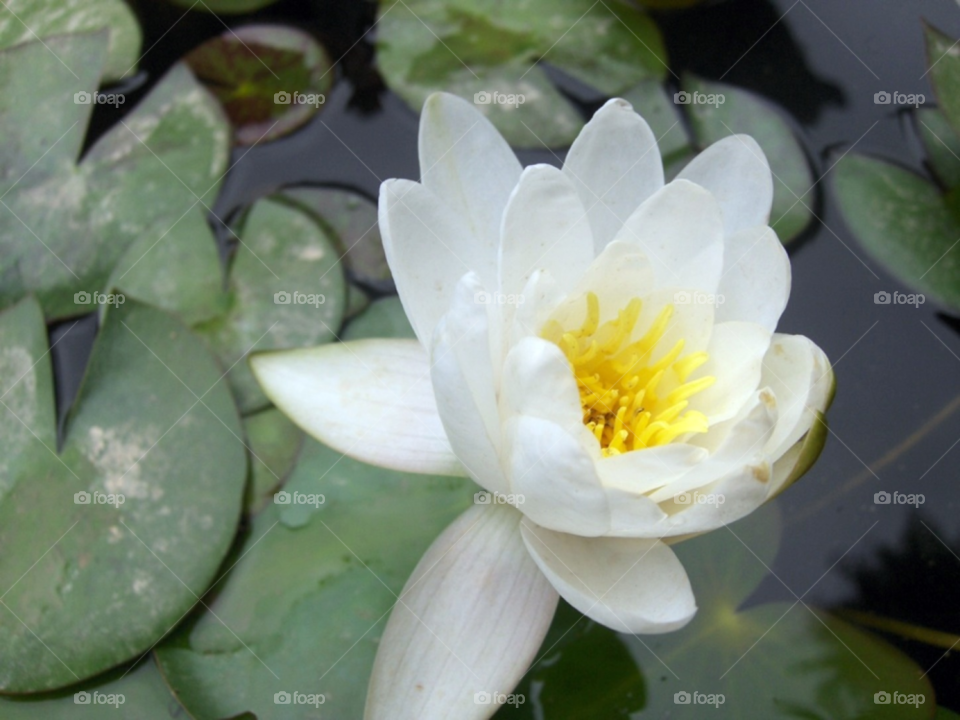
352,219
138,694
307,599
769,661
269,79
384,318
109,541
286,290
744,112
942,144
357,301
64,226
944,714
490,51
23,21
274,443
943,59
903,221
225,7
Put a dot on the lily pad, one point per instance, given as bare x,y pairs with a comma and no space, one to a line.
942,144
904,222
311,592
357,301
744,112
384,318
64,226
225,7
778,660
269,79
489,52
286,290
274,443
943,59
122,694
109,541
23,21
352,219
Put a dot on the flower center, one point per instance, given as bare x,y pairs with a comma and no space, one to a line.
630,403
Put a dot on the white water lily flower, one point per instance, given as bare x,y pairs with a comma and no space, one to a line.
596,348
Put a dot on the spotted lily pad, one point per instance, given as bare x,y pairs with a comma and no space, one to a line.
27,20
328,573
274,443
286,289
269,79
139,693
384,318
352,219
111,539
741,111
904,221
490,52
64,226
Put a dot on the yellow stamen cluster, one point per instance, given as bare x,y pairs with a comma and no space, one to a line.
630,403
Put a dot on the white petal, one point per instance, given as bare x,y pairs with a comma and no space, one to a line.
428,248
615,164
465,386
545,227
369,399
641,471
628,584
755,285
736,171
538,381
799,374
680,229
556,476
736,353
541,296
470,620
468,165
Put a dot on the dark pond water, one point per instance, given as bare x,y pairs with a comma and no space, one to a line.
896,419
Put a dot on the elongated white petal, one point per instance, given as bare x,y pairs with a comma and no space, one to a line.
545,227
680,229
615,164
541,296
369,399
736,356
755,284
470,620
736,171
645,470
634,585
799,374
468,165
428,247
465,386
549,466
